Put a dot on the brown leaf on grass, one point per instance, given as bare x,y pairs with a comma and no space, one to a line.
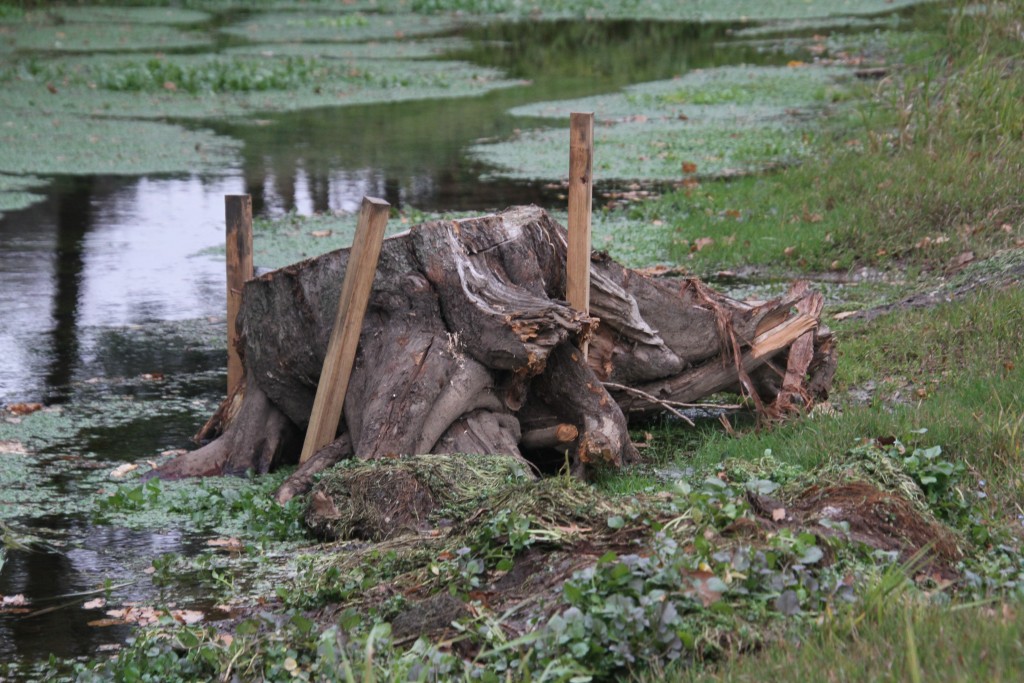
778,514
689,167
24,408
844,315
95,604
702,587
170,86
322,233
961,261
795,64
700,243
230,544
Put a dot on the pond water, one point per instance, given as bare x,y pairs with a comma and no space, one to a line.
91,277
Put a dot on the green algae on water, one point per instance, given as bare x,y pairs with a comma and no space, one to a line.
131,15
341,26
95,37
210,86
716,122
40,140
398,49
15,194
661,10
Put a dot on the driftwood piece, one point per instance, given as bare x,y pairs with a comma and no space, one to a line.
468,346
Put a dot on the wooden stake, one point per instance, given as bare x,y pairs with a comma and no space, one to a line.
581,182
341,349
238,219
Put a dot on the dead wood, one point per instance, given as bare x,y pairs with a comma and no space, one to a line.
469,346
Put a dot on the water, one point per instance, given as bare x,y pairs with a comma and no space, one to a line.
90,277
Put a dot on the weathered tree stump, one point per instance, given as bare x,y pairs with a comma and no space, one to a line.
469,346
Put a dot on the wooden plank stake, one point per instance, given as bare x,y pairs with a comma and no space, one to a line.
581,182
341,349
238,219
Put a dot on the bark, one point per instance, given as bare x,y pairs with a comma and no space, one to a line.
468,346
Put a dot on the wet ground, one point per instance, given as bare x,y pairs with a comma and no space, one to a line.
91,277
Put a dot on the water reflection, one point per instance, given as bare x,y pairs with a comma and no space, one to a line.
100,556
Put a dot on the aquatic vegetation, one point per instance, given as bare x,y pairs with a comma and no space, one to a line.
398,49
38,139
714,122
30,36
346,26
14,192
130,15
278,242
665,10
204,86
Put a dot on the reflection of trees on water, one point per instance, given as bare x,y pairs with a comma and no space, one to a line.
73,220
414,153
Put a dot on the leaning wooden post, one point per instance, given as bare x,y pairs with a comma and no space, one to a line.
348,323
581,182
238,219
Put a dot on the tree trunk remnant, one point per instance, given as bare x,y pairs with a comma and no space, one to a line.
468,346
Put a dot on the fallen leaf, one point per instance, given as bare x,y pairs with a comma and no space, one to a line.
789,251
124,469
321,233
778,514
24,408
689,167
95,604
844,315
232,544
187,616
961,261
701,242
13,600
170,86
795,64
102,623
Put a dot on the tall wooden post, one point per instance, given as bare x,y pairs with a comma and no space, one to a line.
581,191
348,323
238,219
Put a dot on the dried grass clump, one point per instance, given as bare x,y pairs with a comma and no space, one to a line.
381,499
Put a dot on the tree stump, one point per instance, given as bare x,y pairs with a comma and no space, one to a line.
469,346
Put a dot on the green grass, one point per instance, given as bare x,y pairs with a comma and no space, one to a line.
926,169
955,370
903,641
